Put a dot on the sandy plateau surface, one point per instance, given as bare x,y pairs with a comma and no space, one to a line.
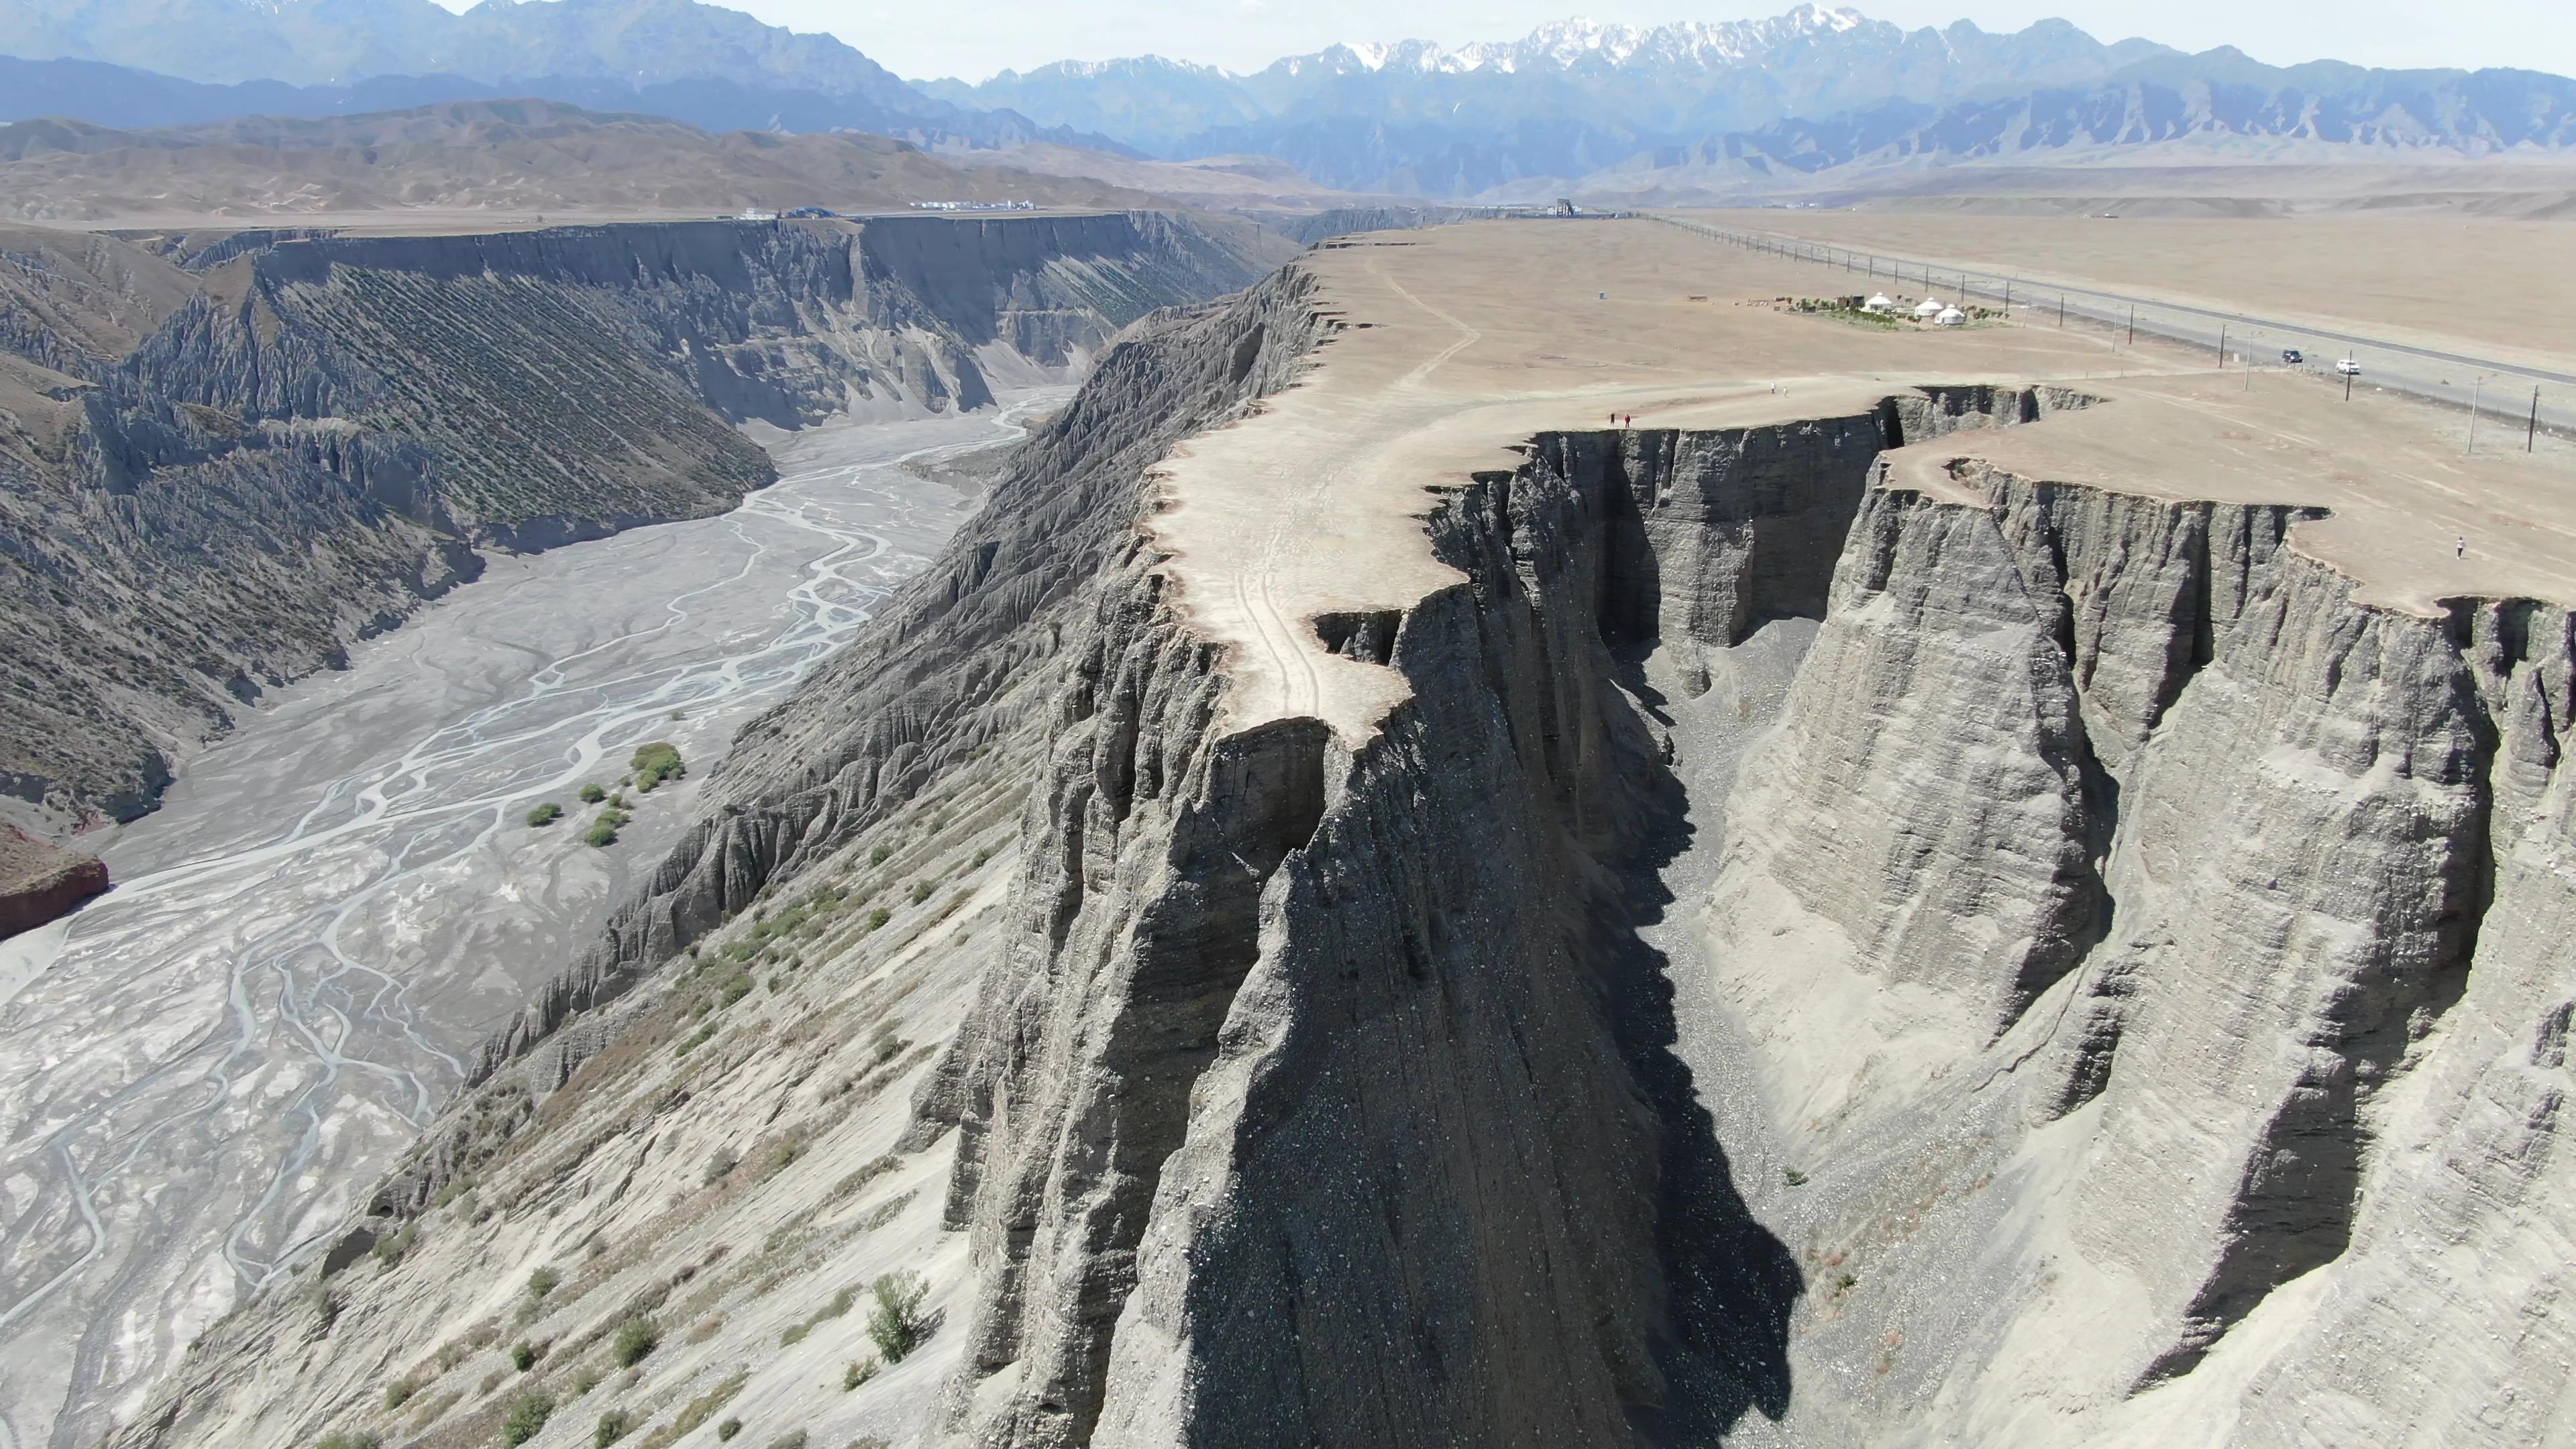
204,1068
2479,285
1461,342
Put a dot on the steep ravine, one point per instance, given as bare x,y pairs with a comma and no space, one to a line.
2118,977
212,481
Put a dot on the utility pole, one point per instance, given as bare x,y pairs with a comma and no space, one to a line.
2222,344
2061,309
2475,393
2531,432
2133,324
2347,384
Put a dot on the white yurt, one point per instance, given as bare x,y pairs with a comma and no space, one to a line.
1930,308
1879,302
1950,317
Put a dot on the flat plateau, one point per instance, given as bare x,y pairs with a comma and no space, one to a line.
1459,344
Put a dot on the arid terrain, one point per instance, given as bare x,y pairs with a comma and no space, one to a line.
523,157
2477,283
1502,840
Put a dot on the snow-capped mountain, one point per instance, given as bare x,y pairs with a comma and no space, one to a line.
1569,97
1810,89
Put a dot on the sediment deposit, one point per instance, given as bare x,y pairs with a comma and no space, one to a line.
1939,887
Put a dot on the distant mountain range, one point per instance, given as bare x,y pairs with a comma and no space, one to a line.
163,62
1804,91
1675,111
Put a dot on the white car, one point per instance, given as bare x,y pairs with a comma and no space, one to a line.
2348,368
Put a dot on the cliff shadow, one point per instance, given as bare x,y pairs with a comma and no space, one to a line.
1730,1283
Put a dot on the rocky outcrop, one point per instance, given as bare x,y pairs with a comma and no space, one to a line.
39,883
2167,843
320,435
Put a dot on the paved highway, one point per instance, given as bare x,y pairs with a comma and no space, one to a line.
2508,395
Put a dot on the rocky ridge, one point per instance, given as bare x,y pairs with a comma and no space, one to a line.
2147,962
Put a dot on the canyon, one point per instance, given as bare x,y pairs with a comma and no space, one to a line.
672,467
1909,886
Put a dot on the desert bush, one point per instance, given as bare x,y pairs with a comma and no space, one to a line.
592,794
879,917
636,1340
527,1416
349,1441
613,1426
896,1324
792,1439
399,1392
546,814
524,1355
542,1282
920,891
859,1372
878,855
728,1428
601,833
655,763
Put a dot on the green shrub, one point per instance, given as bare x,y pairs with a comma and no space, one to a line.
879,917
920,891
584,1381
655,763
697,1039
524,1355
792,1439
350,1441
859,1372
895,1321
728,1428
546,814
542,1282
527,1416
592,794
613,1426
982,856
602,833
880,854
399,1392
636,1339
1793,1177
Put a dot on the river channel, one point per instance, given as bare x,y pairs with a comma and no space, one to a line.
204,1071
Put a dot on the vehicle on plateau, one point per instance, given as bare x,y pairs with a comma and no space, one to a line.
2292,357
2348,368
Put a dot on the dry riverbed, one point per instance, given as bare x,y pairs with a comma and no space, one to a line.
202,1073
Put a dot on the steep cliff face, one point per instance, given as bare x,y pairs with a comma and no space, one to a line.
2118,995
2215,861
725,1151
317,437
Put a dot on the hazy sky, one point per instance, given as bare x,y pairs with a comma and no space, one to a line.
974,38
